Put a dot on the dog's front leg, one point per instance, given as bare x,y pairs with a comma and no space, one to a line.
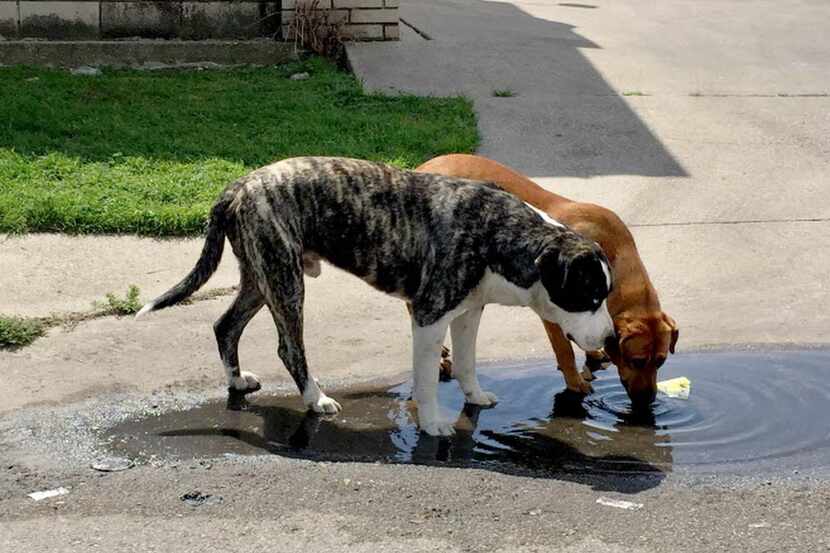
426,352
464,330
565,360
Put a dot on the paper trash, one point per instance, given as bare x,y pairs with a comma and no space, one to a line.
37,496
676,387
619,504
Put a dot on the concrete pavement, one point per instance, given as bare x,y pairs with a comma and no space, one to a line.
704,124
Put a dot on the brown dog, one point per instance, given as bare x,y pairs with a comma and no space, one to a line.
645,334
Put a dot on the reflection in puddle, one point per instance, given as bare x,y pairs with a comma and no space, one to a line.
743,407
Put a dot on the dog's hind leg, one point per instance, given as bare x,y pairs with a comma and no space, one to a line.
288,316
275,258
284,291
464,330
426,352
228,330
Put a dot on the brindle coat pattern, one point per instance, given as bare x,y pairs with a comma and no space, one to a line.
424,238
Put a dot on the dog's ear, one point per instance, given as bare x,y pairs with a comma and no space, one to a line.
553,272
634,330
675,332
627,328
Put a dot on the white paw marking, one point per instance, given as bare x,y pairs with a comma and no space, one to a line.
437,427
245,381
324,404
485,399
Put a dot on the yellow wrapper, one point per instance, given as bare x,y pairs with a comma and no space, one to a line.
676,387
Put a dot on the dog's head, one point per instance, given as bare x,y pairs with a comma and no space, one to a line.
576,276
643,343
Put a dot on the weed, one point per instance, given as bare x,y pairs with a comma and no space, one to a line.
320,30
128,305
17,332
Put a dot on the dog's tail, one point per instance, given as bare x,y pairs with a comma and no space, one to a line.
205,266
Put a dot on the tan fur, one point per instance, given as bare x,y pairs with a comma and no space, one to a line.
645,332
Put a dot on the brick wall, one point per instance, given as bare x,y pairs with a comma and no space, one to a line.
363,19
195,19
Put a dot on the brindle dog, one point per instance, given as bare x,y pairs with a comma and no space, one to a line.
446,246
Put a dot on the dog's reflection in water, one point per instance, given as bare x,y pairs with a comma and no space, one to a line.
381,426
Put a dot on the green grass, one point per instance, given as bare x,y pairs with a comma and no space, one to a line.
148,152
17,332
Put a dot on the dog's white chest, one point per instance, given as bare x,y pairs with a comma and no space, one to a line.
494,288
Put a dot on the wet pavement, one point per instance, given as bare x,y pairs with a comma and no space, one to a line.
746,412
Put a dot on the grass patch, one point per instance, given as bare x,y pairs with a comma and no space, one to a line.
16,332
503,93
128,305
148,152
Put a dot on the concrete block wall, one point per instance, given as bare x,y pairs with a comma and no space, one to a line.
105,19
195,19
362,19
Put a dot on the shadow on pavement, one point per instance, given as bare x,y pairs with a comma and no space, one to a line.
564,119
378,426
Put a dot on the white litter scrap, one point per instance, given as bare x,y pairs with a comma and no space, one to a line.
678,388
37,496
620,504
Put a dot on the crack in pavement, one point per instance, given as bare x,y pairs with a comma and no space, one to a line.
735,222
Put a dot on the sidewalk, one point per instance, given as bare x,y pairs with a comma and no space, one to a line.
702,124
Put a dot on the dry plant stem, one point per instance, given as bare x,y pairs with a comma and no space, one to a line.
313,28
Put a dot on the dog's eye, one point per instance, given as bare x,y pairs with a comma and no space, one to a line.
639,363
659,362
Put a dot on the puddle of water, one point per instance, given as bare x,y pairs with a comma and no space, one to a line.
744,408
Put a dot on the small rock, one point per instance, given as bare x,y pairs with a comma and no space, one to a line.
300,76
534,512
197,498
760,525
86,71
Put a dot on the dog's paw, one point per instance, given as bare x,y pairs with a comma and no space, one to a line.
246,382
482,398
579,384
325,405
437,427
587,374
